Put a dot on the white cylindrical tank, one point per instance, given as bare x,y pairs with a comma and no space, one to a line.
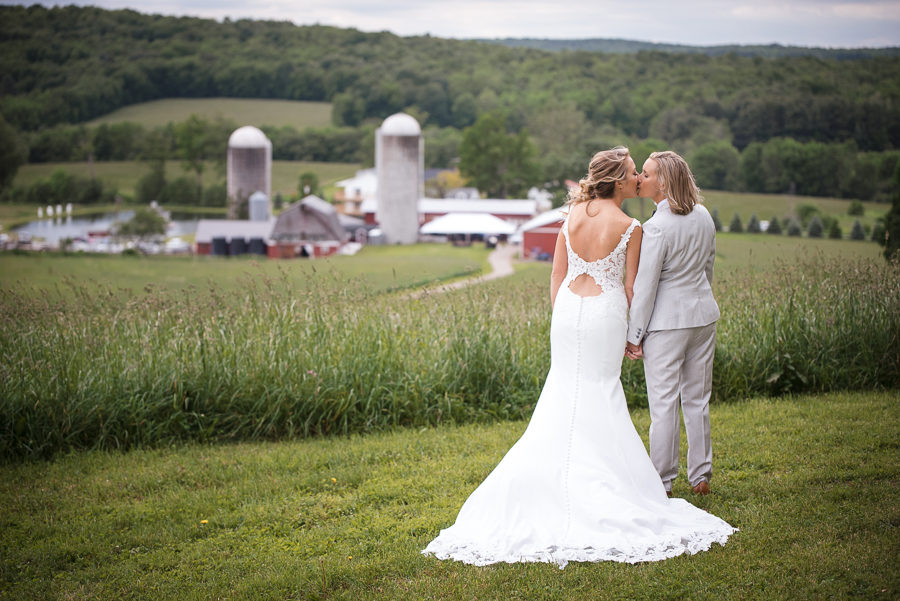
249,167
399,163
259,207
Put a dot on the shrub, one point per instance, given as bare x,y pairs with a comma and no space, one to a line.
150,187
715,217
816,229
835,232
215,196
806,212
774,226
857,233
145,223
856,208
753,225
878,232
181,191
62,188
794,228
736,225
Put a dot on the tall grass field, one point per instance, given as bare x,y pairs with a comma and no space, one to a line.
245,111
100,367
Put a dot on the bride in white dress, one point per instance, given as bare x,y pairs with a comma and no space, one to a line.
579,485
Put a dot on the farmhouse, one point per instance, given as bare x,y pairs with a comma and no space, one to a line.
351,193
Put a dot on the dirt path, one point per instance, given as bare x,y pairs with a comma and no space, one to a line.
501,266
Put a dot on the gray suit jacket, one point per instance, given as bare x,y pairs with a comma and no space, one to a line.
673,288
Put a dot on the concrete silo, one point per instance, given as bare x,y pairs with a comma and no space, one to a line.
249,167
399,156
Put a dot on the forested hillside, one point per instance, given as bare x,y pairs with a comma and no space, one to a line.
804,124
617,46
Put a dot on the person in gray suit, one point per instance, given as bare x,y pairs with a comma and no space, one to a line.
672,321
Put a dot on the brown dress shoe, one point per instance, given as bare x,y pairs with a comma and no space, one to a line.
702,488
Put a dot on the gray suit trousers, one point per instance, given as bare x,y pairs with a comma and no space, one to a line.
679,363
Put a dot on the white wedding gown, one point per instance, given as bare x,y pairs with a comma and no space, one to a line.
579,485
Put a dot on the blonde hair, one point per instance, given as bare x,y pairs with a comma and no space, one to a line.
607,167
675,175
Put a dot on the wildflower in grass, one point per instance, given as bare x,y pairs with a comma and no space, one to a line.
334,480
204,521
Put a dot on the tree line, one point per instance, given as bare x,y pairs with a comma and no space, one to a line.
124,57
499,160
791,124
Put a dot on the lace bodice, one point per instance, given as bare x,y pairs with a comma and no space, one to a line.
608,271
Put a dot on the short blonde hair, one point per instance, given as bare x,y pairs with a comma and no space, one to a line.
680,187
607,167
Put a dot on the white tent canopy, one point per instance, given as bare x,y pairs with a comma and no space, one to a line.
551,217
468,223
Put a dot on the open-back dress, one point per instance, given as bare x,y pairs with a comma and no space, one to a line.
579,484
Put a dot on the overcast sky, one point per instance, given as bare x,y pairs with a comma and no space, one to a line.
828,23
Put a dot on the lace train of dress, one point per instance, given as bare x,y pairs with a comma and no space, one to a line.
579,485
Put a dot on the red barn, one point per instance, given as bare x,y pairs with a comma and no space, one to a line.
539,234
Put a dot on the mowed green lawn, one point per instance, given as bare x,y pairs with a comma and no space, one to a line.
245,111
124,175
380,267
811,482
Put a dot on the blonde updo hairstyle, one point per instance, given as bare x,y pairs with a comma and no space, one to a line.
607,167
677,182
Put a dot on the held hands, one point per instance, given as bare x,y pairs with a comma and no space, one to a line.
634,351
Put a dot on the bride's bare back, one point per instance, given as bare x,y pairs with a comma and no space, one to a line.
595,229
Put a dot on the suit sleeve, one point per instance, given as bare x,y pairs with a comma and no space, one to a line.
653,254
710,262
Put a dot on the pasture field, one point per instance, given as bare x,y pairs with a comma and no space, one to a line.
810,481
124,175
781,205
763,251
382,267
245,111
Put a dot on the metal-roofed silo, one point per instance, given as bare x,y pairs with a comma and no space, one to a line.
259,206
249,167
399,163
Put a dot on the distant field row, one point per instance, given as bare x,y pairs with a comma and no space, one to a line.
245,111
124,175
765,206
383,266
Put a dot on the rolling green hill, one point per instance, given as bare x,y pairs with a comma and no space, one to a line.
244,111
